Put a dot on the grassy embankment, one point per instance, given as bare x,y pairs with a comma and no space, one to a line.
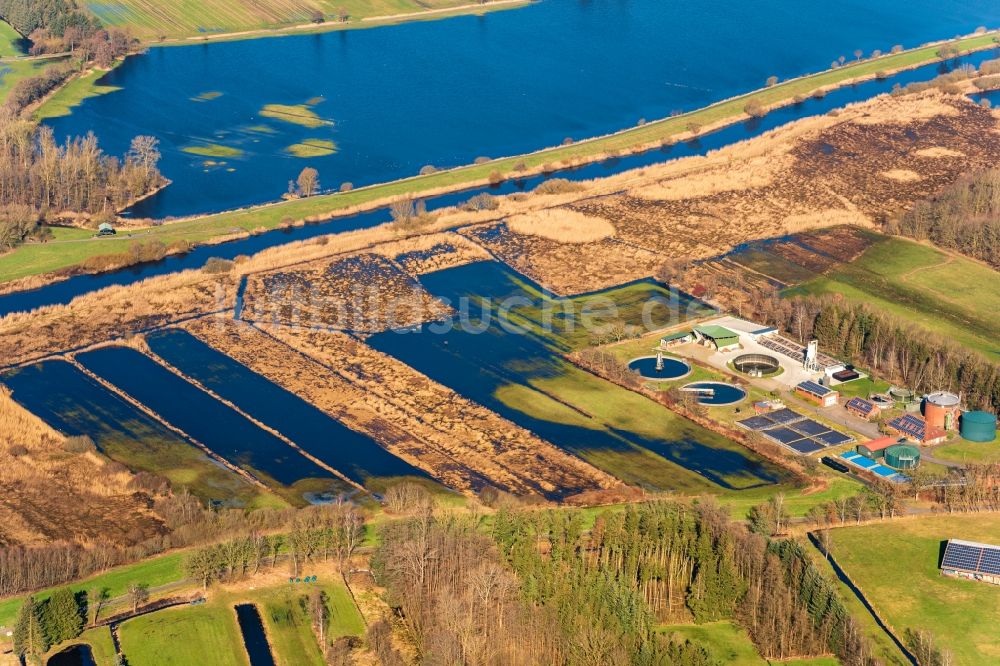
947,294
35,259
896,567
963,451
153,20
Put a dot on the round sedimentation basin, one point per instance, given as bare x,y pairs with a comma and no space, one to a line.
716,394
672,368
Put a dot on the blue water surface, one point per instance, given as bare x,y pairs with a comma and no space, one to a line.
444,92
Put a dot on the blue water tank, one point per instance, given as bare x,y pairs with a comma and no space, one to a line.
978,426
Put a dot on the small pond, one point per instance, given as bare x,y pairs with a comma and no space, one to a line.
254,637
77,655
714,394
669,368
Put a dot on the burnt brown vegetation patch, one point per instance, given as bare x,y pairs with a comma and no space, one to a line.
567,267
364,292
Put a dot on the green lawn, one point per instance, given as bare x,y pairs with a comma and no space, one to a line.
184,636
43,258
101,645
12,71
153,572
731,645
949,295
964,451
9,41
883,647
896,566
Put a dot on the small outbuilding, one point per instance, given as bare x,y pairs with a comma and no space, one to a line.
676,339
875,448
972,560
865,409
105,229
721,337
915,429
817,393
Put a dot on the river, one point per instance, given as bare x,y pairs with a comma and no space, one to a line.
397,98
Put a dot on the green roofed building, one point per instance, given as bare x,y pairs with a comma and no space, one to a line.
721,337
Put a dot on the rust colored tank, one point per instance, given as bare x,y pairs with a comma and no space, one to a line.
941,409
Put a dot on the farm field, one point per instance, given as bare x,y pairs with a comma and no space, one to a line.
10,41
157,19
896,566
946,294
183,636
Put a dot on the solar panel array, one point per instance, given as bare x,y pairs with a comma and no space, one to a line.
911,425
793,350
861,406
814,388
791,429
973,557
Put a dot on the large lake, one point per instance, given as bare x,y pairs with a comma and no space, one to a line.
445,92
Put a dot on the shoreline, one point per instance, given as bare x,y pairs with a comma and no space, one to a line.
468,9
219,227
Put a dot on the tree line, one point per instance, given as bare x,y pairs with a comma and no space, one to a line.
964,217
41,179
892,349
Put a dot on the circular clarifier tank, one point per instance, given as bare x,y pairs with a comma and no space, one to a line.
714,394
756,365
668,368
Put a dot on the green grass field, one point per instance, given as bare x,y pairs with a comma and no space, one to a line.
153,19
883,647
101,645
36,259
896,566
10,41
969,452
731,645
184,636
949,295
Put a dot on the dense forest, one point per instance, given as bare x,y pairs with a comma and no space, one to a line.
890,348
964,217
54,16
545,590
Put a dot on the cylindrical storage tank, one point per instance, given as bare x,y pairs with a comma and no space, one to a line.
979,426
902,456
939,409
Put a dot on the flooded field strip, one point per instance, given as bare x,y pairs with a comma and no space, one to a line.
465,445
418,417
71,359
144,349
225,431
345,451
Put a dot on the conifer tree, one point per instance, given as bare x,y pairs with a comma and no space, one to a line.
64,619
30,640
